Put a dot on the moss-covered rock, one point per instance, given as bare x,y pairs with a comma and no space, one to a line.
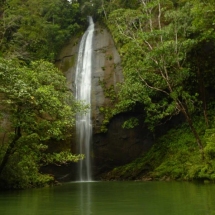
174,156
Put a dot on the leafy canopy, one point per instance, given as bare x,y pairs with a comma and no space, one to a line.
40,108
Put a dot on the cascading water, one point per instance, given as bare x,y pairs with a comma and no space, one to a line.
83,93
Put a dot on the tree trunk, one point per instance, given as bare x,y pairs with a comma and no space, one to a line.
10,149
192,128
104,10
202,95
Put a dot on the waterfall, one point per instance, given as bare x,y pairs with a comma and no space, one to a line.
83,93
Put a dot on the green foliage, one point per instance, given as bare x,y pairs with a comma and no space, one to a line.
108,114
38,105
152,58
37,29
22,169
154,39
174,156
109,92
203,22
210,144
34,98
63,157
131,123
36,91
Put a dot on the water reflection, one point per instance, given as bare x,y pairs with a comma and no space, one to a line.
85,198
111,198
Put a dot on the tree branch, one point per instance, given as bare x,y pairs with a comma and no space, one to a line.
151,87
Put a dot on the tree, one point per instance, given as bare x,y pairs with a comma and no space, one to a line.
40,108
202,55
33,30
154,42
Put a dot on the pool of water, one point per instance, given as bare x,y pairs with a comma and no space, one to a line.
112,198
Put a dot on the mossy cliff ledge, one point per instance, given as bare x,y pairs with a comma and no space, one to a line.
117,146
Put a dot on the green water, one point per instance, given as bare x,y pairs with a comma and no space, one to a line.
112,198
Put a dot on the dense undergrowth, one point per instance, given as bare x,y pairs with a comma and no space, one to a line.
174,156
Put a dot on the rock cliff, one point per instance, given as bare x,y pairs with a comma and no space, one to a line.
106,68
118,146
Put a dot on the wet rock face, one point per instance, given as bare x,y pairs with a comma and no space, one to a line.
106,69
118,146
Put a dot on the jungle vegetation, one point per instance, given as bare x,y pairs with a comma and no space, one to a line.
167,52
37,109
